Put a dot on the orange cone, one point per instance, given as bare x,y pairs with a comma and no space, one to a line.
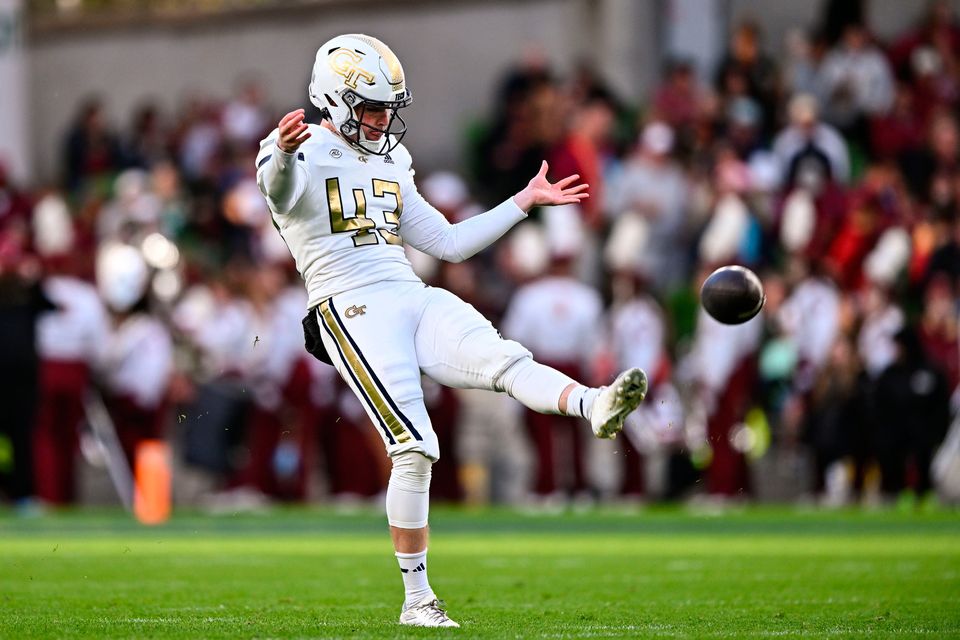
152,477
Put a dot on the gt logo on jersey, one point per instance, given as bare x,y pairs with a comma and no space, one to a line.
354,311
344,63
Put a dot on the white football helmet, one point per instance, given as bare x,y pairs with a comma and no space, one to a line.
352,72
122,276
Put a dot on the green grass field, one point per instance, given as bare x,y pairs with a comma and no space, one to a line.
656,573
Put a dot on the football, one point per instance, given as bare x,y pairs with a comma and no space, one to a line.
732,295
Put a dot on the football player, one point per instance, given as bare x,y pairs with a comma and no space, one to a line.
343,197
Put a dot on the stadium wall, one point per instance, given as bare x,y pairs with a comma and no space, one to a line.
453,53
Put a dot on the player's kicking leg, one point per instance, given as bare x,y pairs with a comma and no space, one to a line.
458,347
546,390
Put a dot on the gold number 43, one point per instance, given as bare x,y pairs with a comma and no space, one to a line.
364,229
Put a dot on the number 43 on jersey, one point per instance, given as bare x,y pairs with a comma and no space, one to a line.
364,230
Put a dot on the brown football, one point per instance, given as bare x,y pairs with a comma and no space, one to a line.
732,295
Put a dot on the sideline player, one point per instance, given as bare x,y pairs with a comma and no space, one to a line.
343,197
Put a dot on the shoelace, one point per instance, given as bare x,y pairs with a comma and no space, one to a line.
436,609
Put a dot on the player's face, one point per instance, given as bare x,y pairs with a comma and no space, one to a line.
374,121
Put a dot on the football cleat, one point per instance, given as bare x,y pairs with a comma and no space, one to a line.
429,613
614,403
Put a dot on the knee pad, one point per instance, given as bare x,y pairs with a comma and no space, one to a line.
408,492
411,472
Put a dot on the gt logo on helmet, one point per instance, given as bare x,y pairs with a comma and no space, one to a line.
344,63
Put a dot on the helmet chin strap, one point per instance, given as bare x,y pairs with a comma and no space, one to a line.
352,132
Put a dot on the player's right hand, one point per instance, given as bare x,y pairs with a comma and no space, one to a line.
292,131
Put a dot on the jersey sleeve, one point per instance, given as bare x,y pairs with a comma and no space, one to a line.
425,228
281,176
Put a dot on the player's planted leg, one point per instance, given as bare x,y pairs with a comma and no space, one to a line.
408,506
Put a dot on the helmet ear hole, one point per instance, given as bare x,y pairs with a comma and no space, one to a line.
330,100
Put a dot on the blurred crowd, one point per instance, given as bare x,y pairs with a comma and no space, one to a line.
150,279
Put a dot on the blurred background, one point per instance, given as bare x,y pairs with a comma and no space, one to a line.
145,295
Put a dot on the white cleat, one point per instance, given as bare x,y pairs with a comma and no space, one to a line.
429,613
614,403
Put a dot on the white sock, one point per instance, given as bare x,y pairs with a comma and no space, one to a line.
413,567
536,386
580,401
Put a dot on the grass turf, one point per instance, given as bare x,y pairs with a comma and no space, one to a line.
658,573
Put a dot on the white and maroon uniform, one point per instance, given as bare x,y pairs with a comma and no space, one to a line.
558,319
135,367
69,341
638,339
281,429
724,361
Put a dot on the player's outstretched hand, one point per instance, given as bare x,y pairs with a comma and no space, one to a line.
292,131
541,192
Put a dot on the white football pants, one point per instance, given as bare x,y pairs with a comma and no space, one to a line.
382,336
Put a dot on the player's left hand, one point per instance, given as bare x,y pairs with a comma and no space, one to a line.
540,192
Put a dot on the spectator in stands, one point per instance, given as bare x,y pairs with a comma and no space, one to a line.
676,101
654,187
146,143
638,337
855,84
136,361
937,329
746,71
91,150
513,143
807,134
833,421
584,149
70,342
929,171
912,416
557,317
22,301
722,369
245,118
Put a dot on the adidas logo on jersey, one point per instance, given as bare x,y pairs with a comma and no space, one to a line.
387,159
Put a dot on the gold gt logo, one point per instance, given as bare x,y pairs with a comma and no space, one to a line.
354,311
344,62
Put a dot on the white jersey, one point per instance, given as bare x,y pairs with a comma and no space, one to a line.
137,361
78,329
811,317
719,348
638,334
342,213
556,318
